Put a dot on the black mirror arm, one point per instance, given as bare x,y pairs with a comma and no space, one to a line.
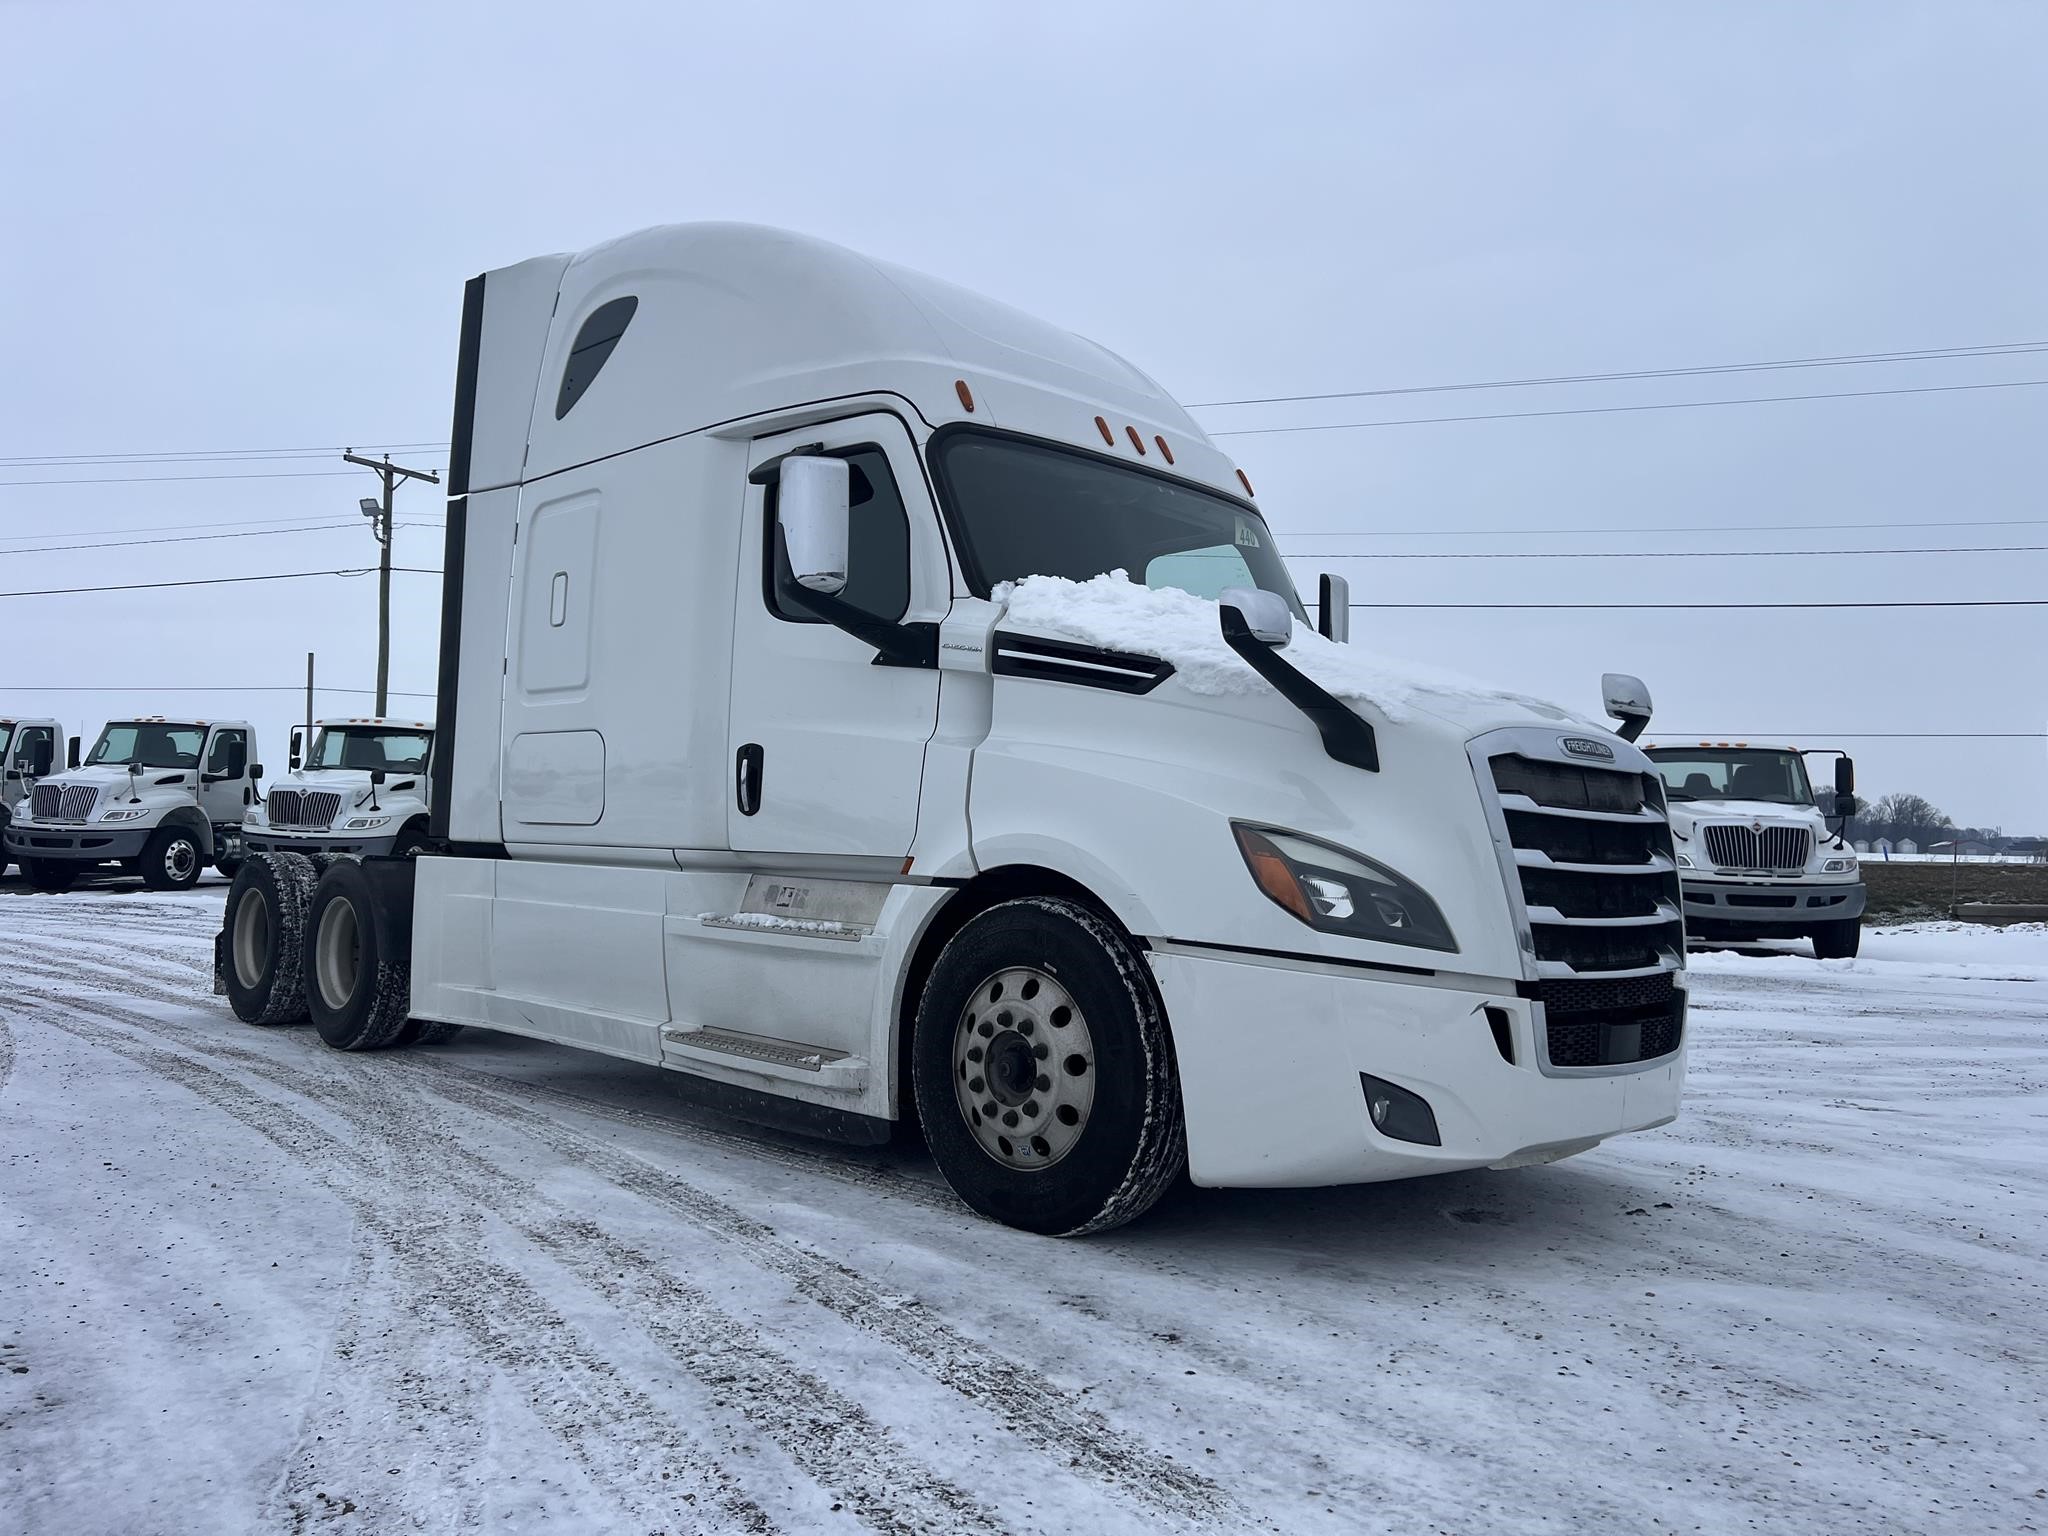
1346,736
896,645
1631,726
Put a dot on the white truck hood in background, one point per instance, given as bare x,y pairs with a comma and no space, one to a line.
1744,810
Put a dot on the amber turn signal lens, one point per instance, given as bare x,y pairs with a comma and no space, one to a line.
1270,870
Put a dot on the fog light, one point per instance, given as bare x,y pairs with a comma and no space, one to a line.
1397,1113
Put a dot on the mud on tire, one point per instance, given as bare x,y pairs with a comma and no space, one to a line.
263,938
1044,1072
358,987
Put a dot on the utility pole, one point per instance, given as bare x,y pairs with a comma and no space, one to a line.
379,515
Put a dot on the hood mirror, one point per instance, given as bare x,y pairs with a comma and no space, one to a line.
814,507
1845,776
1627,699
1264,613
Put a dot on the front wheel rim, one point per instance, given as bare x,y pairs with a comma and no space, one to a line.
181,859
338,955
1024,1068
252,939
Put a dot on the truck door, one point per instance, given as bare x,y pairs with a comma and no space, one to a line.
826,749
224,792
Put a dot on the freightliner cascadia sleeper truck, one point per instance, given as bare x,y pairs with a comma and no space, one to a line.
880,705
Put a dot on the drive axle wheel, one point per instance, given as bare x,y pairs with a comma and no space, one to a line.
357,990
1043,1071
264,938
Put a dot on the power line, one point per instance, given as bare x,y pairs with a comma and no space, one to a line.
198,538
213,581
1979,602
199,455
298,688
244,522
1837,360
1650,554
269,474
1551,533
1612,410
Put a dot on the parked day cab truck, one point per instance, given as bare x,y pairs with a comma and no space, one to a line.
28,752
878,704
362,790
161,798
1756,856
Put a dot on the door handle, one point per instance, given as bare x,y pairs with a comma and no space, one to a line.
747,778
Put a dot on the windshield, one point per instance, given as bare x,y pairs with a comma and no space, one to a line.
1028,509
1695,773
150,743
369,747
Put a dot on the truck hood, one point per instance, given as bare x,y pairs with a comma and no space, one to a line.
352,784
108,775
1770,812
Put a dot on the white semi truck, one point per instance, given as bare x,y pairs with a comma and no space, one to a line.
879,705
28,752
1757,858
161,798
362,789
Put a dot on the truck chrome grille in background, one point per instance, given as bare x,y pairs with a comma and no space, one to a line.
63,802
1782,850
307,810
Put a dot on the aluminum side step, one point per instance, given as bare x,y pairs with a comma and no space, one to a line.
785,1060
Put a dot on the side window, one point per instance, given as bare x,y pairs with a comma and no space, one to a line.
592,349
878,546
219,755
26,743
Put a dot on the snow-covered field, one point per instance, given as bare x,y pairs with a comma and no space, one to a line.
249,1284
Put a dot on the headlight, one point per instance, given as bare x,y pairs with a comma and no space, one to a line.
365,823
128,815
1337,891
1840,866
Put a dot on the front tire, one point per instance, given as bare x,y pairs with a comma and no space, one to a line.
171,860
1838,940
1044,1073
50,875
357,992
264,946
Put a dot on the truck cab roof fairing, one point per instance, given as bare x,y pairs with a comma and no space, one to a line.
735,320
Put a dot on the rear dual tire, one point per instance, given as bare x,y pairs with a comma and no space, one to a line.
358,985
264,937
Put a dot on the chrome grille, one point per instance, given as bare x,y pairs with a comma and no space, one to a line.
308,810
64,802
1592,855
1782,850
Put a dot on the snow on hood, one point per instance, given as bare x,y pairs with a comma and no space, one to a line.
1742,810
1115,612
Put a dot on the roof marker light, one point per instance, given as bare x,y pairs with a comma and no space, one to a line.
966,395
1245,480
1108,436
1165,452
1137,442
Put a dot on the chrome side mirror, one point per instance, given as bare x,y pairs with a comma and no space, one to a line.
1627,699
814,507
1333,620
1265,614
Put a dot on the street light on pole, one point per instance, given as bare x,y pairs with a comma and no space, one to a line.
379,514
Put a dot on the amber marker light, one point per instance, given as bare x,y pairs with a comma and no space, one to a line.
966,395
1108,436
1165,452
1245,481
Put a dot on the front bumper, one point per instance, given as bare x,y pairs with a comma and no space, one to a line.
1270,1056
87,844
264,840
1766,905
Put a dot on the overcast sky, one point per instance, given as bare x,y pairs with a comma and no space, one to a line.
247,227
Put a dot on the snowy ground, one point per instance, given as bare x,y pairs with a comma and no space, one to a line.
249,1284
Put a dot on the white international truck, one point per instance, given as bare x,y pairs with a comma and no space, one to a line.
878,705
28,752
362,789
1756,856
161,798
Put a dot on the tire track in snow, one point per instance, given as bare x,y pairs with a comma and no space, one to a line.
6,1053
1044,1416
575,1393
827,1434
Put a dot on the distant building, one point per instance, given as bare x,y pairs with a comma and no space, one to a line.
1962,848
1905,845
